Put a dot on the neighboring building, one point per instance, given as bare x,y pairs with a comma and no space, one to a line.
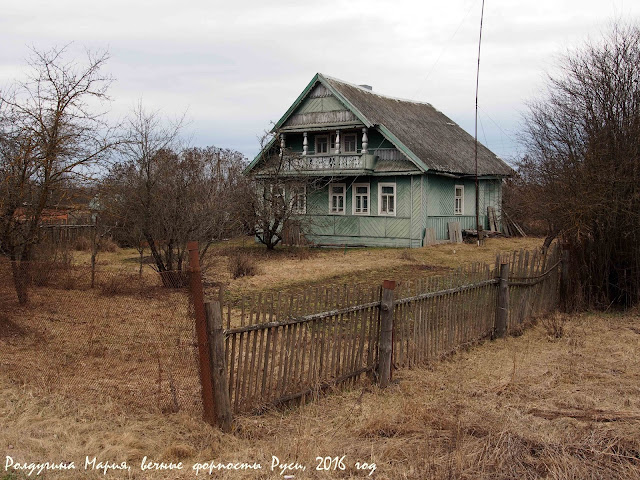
388,169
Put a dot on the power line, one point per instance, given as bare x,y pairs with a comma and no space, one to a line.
444,49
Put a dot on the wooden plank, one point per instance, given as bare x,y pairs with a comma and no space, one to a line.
386,333
219,370
455,232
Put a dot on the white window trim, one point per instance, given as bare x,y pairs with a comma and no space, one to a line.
295,210
395,199
353,198
317,137
344,199
455,198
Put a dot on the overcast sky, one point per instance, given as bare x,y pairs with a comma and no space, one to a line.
236,66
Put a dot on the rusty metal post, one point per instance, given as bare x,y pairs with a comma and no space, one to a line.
386,333
197,296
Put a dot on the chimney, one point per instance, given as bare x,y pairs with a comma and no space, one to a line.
366,87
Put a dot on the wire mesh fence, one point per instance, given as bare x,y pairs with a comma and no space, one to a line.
127,340
122,336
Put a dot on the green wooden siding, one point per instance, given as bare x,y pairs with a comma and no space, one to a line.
321,104
421,201
376,140
372,229
441,228
440,202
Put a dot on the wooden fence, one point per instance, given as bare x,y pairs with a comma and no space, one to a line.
286,347
276,348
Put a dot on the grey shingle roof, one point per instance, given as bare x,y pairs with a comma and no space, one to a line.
430,135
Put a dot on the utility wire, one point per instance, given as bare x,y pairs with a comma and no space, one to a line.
475,153
444,49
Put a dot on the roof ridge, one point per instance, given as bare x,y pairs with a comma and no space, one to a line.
371,92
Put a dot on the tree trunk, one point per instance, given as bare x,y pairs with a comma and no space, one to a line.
20,271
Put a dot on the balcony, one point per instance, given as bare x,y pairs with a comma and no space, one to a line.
331,163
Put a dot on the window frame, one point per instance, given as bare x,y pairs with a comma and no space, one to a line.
395,199
294,196
343,139
355,194
327,143
343,195
456,198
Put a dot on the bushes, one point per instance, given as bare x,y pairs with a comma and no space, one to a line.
242,265
84,244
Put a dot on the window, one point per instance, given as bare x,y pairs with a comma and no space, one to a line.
322,144
458,208
327,143
360,192
387,199
336,198
299,199
350,144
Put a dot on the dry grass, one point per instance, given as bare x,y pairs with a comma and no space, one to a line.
526,407
294,267
95,346
542,405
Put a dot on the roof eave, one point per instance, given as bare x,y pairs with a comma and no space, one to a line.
257,158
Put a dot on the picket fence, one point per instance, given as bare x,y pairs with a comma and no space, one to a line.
274,349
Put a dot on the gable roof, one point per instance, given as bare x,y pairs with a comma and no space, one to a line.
430,139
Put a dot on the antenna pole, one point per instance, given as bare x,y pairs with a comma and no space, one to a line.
475,150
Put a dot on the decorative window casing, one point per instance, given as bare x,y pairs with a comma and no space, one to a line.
337,198
458,206
361,200
387,199
298,195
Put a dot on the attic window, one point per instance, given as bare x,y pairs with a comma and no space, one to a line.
350,144
322,144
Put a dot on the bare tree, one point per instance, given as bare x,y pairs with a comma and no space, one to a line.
52,131
276,193
170,195
583,164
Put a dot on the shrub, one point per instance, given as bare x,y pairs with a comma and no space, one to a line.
242,266
554,325
121,284
82,244
107,245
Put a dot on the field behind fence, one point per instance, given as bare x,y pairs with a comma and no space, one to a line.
128,341
131,342
284,347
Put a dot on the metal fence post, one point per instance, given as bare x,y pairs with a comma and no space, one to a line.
197,296
502,313
219,366
386,333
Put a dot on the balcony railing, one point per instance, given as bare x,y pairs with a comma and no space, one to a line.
328,162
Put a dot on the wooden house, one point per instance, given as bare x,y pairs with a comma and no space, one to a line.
383,170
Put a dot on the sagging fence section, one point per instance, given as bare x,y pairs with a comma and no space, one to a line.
273,349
